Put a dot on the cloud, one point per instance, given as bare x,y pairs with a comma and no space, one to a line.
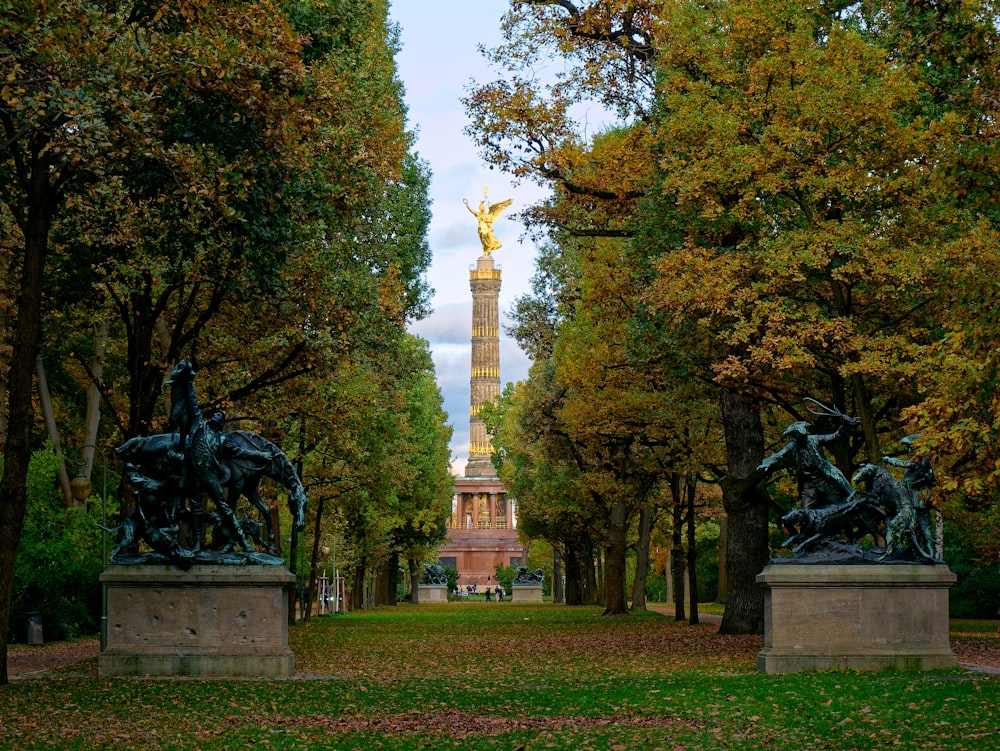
454,236
449,323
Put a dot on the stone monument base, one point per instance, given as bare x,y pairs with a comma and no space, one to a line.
855,617
430,593
207,621
526,593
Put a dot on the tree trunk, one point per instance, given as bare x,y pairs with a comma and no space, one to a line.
385,581
314,558
677,557
45,400
720,592
4,273
576,583
293,547
873,449
414,568
358,585
692,550
615,596
600,573
574,588
293,568
581,574
642,560
557,576
745,501
93,419
592,590
20,383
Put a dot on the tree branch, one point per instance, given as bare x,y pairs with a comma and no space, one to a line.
627,37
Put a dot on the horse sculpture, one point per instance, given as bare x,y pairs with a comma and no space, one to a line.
238,475
241,476
433,573
200,469
171,469
902,528
523,576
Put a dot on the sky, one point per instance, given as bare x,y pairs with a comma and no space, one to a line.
438,60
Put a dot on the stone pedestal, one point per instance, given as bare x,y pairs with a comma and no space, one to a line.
855,617
429,593
206,621
526,593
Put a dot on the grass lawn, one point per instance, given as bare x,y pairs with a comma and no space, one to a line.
515,677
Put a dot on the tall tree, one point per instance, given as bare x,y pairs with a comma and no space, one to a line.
807,157
185,170
540,465
613,50
53,101
424,502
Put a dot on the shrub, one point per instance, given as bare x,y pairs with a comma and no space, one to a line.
58,560
505,576
976,594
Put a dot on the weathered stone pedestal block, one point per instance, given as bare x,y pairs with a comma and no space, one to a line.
206,621
526,593
855,617
428,593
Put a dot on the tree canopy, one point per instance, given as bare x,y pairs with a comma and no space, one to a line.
234,183
806,191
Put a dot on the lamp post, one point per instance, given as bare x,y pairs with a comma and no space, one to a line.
336,575
81,488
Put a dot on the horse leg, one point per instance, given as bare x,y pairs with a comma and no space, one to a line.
253,495
228,518
193,520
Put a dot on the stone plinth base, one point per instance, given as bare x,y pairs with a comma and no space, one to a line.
428,593
206,621
855,617
526,593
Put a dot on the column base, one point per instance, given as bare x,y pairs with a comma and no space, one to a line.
526,593
431,593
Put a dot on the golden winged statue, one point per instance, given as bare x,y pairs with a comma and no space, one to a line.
486,215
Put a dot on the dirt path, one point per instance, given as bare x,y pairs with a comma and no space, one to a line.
23,659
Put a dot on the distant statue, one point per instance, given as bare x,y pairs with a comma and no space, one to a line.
820,482
434,574
486,215
524,576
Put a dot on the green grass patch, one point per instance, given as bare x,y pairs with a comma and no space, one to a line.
458,676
